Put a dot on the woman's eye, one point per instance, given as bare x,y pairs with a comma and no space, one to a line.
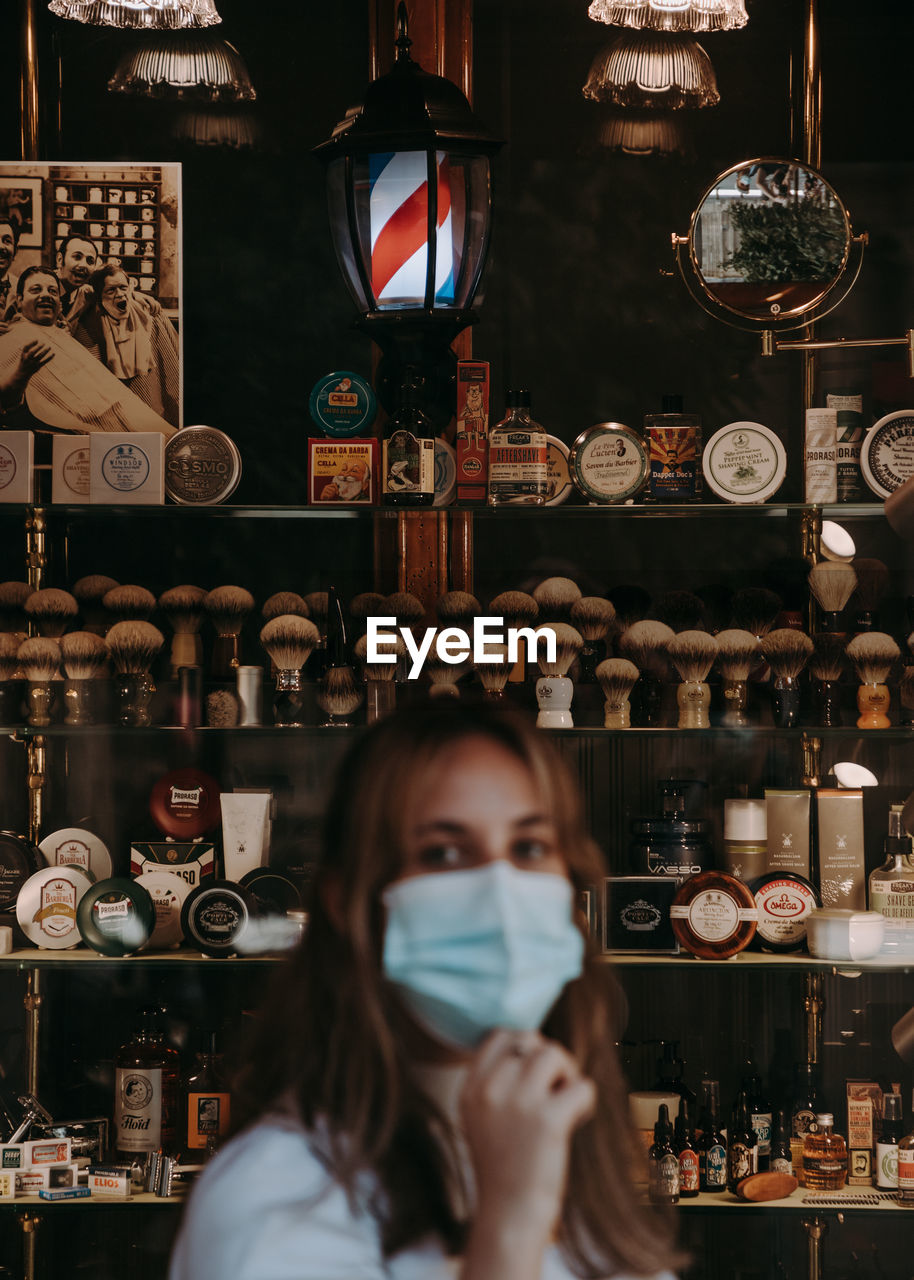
441,856
532,850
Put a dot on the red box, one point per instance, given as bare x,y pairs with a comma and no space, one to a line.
472,397
343,471
472,468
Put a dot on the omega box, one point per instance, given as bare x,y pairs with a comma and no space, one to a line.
343,471
70,468
127,468
192,860
636,914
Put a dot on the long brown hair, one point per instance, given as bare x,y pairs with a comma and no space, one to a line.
329,1043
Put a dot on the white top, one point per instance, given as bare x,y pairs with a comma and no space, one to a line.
267,1209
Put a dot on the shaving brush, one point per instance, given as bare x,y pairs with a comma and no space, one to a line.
339,694
786,651
493,674
754,609
680,610
739,654
90,592
134,646
644,643
51,611
129,603
594,618
409,612
227,608
872,584
457,609
692,653
318,603
10,677
832,585
617,677
554,598
379,677
554,691
284,602
631,603
289,640
518,609
873,653
13,596
365,605
84,655
443,676
826,667
39,657
183,607
716,607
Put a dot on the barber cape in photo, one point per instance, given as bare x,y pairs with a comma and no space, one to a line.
74,391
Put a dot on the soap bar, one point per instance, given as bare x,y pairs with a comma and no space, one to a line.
767,1186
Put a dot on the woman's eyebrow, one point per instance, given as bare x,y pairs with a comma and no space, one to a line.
453,826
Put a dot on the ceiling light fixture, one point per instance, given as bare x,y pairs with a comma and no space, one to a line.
187,65
654,72
146,14
671,15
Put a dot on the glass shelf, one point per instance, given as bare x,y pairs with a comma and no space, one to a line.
36,958
760,961
139,1200
846,1201
768,733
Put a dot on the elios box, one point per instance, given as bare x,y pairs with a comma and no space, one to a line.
16,466
110,1180
343,471
127,468
70,469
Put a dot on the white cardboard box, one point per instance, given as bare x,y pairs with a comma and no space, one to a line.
127,467
17,467
70,474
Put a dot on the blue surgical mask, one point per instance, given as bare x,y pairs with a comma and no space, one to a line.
472,951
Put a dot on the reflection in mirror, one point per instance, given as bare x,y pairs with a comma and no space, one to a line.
770,239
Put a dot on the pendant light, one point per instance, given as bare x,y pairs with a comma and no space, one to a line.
671,15
652,71
236,130
645,133
144,14
187,65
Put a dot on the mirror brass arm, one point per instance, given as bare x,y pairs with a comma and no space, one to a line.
771,345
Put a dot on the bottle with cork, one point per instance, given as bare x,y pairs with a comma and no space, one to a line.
518,468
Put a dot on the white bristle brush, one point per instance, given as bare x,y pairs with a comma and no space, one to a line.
873,654
183,607
617,677
692,653
554,691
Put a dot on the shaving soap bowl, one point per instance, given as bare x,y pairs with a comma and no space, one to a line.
837,933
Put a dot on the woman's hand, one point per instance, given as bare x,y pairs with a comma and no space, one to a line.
522,1100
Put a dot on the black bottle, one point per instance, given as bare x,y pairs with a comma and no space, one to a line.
712,1145
742,1145
663,1162
807,1099
687,1150
408,451
781,1160
759,1110
670,1071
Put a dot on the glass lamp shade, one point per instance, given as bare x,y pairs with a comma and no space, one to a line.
671,15
655,72
236,130
187,65
645,133
143,14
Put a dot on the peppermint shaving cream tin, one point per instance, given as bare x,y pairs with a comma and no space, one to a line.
744,462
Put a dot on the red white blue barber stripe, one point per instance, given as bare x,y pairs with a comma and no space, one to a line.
398,209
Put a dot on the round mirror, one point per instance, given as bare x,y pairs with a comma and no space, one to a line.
769,242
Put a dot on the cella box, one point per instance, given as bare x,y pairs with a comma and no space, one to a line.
127,468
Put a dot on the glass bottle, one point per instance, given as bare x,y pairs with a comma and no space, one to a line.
408,451
806,1105
892,887
712,1145
906,1168
518,469
207,1103
684,1142
146,1091
759,1110
890,1134
780,1160
670,1071
824,1156
742,1145
663,1162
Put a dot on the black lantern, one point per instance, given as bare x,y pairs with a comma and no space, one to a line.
409,185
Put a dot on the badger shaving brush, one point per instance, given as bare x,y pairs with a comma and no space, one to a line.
227,609
873,653
739,654
617,677
692,653
289,639
134,646
554,690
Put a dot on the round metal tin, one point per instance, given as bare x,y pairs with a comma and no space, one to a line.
744,462
216,915
785,901
76,847
47,905
115,917
887,454
445,473
608,463
714,915
275,893
202,466
343,404
168,892
19,859
185,804
560,485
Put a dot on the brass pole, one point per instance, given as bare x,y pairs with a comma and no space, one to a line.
28,81
32,1002
37,765
815,1229
29,1223
814,1005
812,88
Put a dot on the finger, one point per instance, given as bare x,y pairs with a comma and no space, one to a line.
547,1070
572,1104
502,1044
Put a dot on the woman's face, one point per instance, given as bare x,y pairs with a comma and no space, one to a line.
478,803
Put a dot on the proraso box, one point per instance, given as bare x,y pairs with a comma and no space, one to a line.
192,860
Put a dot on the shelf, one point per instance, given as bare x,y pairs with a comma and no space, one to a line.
846,1201
768,733
761,960
35,958
139,1200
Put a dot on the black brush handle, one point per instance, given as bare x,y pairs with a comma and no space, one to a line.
786,695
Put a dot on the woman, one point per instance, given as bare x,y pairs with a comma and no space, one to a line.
406,1115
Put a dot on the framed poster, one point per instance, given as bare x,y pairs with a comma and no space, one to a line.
20,201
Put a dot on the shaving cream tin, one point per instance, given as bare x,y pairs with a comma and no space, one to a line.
744,462
557,472
216,915
785,901
202,466
714,915
185,804
887,455
343,404
47,904
75,847
168,893
275,893
116,916
19,859
608,463
445,473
